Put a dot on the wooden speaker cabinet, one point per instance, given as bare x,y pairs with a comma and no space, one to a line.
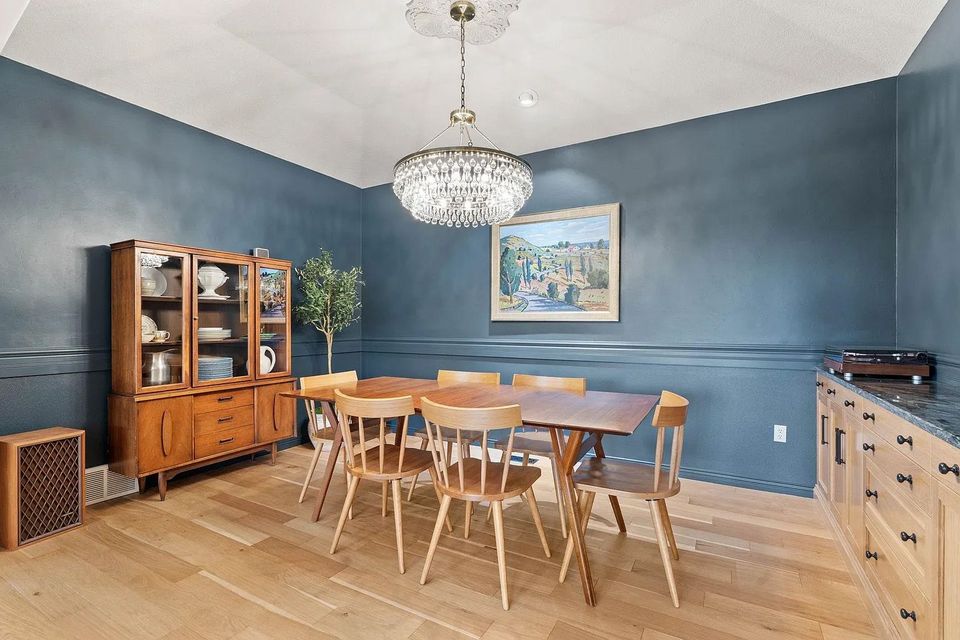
41,484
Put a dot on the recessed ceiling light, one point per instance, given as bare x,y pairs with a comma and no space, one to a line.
528,98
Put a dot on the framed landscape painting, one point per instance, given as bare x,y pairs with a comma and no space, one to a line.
560,266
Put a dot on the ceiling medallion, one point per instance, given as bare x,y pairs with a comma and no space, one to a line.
491,19
463,185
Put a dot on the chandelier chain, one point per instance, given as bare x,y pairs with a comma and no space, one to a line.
463,64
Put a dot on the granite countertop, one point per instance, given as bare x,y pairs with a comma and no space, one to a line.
933,406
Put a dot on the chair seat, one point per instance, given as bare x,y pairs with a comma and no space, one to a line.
533,442
618,477
415,462
519,479
467,435
370,433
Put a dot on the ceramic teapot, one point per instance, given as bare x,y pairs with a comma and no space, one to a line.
268,359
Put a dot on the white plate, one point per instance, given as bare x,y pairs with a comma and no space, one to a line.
147,325
157,276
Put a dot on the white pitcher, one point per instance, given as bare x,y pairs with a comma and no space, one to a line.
268,359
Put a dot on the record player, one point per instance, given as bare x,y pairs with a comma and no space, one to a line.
878,362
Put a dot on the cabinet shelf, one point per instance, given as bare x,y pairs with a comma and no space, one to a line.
177,299
215,301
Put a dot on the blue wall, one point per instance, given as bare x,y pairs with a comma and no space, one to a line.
79,170
750,240
928,225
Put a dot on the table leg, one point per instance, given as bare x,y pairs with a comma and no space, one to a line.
614,502
331,460
566,457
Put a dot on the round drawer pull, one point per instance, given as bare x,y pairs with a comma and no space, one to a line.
871,555
848,403
819,384
831,392
871,493
944,468
904,478
908,615
869,447
908,537
905,440
869,416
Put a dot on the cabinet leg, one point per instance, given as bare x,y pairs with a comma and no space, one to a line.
273,453
142,484
162,485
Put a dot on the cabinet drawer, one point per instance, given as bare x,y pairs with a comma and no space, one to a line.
210,444
207,402
223,419
910,532
848,401
909,481
900,598
945,463
909,440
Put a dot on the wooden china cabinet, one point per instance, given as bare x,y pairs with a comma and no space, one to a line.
200,353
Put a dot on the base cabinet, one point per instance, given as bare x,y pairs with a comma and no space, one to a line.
894,512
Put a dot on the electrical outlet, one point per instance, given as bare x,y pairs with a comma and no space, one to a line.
779,433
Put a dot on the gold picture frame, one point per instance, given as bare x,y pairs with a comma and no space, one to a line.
558,266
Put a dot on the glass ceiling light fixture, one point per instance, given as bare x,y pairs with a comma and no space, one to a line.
463,185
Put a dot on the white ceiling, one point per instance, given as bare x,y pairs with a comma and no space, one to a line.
346,87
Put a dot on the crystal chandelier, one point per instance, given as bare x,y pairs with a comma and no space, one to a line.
463,185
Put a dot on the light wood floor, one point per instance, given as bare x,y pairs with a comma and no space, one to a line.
231,554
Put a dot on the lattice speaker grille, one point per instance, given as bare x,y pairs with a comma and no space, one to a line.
50,499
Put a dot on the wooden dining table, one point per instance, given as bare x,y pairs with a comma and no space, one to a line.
588,416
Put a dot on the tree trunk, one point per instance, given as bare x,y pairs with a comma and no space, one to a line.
329,353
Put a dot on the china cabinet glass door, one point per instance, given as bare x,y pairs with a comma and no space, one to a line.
273,318
163,319
223,320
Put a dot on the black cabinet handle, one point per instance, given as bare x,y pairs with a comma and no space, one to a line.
227,440
944,468
872,494
848,403
224,398
869,447
819,384
871,554
908,615
902,478
838,449
823,430
869,416
831,392
225,419
905,440
908,537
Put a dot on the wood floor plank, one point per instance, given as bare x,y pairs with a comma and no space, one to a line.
232,555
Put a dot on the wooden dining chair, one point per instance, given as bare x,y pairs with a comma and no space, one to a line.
535,441
315,418
633,479
477,480
446,377
384,463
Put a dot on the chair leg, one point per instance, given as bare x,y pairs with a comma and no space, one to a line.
311,470
556,488
398,522
467,517
383,499
347,504
501,552
535,512
664,551
586,499
436,489
346,476
413,483
437,528
668,527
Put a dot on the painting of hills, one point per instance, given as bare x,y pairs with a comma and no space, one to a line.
558,266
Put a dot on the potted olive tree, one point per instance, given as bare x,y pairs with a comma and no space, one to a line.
330,298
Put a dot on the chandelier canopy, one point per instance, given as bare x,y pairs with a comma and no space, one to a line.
463,185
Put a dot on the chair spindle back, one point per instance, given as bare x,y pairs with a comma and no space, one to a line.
447,424
350,409
550,383
448,377
671,413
